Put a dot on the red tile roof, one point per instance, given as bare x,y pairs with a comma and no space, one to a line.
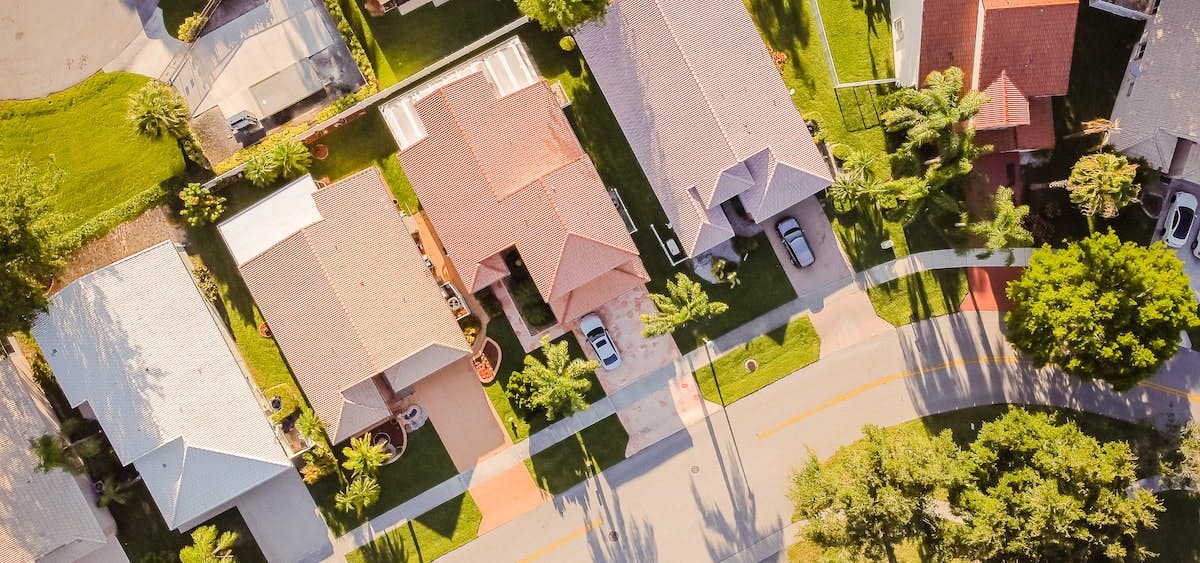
948,36
1039,134
497,173
1031,42
1007,106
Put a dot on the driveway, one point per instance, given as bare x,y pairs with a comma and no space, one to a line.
664,411
284,520
50,46
1190,264
831,265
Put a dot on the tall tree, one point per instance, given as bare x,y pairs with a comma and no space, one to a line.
1182,466
684,302
1101,184
857,184
1102,309
1004,225
876,493
55,451
931,116
358,496
209,547
1035,490
558,385
563,15
31,248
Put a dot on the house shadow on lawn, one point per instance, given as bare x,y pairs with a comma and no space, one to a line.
426,537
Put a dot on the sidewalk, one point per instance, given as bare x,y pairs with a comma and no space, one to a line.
811,303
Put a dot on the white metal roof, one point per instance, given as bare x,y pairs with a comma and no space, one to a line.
273,219
39,512
143,348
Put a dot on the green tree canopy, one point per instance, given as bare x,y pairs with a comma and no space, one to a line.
684,302
931,116
156,110
31,248
874,494
1004,225
563,15
363,456
1102,309
558,385
1101,184
200,205
358,496
209,547
1036,490
291,158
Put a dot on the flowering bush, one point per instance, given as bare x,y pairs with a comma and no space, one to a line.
200,206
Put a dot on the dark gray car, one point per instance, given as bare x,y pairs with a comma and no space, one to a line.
793,238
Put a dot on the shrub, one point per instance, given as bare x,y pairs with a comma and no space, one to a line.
356,48
470,325
261,170
200,206
490,303
346,102
567,43
264,147
206,282
291,158
529,302
744,245
190,29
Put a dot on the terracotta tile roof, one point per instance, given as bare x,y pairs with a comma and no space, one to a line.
695,91
496,173
948,37
1007,107
1030,41
1038,134
348,297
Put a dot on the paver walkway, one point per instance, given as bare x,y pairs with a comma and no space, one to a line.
637,390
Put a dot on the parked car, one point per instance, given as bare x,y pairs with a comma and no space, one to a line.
593,329
793,238
1179,219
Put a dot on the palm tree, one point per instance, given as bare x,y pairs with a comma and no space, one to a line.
1101,184
157,110
310,426
114,492
364,457
857,182
359,495
1005,227
558,385
291,158
57,451
684,302
261,170
209,547
931,115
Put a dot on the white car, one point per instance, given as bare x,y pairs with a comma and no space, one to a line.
1179,219
593,329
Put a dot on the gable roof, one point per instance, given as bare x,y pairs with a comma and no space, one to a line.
1029,40
346,295
39,512
1006,107
139,343
496,170
694,89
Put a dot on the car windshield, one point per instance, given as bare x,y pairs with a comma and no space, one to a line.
595,332
1184,223
610,360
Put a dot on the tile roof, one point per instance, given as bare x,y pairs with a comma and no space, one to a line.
1157,104
695,91
348,297
1007,106
139,343
494,173
39,512
948,37
1031,41
1038,134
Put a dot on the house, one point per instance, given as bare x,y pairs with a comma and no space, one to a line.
1018,52
1132,9
138,347
705,111
1157,112
262,62
497,168
44,517
347,297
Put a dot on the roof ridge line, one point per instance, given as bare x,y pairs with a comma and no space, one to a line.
466,139
337,296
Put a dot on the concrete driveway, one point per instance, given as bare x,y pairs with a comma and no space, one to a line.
284,520
831,265
50,46
1191,265
664,411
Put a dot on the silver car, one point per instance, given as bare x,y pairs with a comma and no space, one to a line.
593,329
793,238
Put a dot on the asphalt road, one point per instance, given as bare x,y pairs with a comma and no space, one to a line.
711,491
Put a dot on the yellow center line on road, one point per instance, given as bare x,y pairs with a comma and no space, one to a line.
1192,397
561,541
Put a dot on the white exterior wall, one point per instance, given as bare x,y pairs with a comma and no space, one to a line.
906,40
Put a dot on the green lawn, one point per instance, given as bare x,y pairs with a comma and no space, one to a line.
919,297
238,310
860,38
1178,535
85,129
778,353
425,538
512,358
425,463
175,11
365,142
565,464
400,45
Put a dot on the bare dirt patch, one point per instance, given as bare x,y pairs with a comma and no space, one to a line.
151,228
